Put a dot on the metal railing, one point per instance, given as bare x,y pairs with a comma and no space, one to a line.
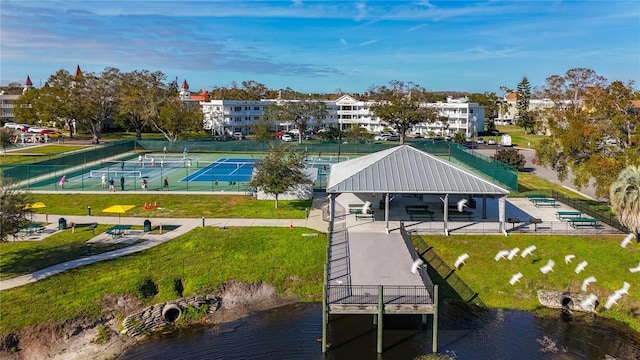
586,206
368,294
446,272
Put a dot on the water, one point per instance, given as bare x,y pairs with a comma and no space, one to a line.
293,332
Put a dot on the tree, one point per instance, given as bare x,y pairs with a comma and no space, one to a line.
279,171
525,118
492,104
96,95
624,195
6,137
263,129
356,134
459,137
400,106
140,95
300,113
14,210
511,157
593,141
177,118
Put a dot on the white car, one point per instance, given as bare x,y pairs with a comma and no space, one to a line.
287,138
387,137
480,140
11,125
34,130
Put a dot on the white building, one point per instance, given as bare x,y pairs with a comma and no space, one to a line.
231,116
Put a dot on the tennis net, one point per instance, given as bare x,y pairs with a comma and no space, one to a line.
225,164
115,173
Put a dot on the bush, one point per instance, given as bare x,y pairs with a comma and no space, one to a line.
147,288
178,288
511,157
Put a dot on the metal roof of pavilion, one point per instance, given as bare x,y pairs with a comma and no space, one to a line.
405,169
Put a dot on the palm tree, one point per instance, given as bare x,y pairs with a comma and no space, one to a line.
625,198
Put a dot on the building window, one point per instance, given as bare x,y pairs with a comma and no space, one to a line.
256,108
237,108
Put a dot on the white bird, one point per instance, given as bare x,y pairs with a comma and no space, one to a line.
416,265
501,254
515,278
339,282
589,302
549,267
625,289
527,251
366,207
586,283
612,299
462,203
460,260
513,253
627,240
635,269
581,267
568,258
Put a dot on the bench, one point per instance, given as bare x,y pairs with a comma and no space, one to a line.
564,215
461,215
118,230
420,214
546,201
365,216
513,222
582,221
535,196
535,222
355,208
409,208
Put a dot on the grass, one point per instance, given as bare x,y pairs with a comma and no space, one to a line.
607,261
519,137
22,257
204,258
35,154
174,205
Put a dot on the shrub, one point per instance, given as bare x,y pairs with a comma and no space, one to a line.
511,157
178,288
147,288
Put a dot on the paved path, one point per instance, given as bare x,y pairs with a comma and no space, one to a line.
314,221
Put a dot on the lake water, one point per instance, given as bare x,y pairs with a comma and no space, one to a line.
293,332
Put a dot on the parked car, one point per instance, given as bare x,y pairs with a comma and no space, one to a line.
287,138
51,133
11,125
34,130
491,142
238,135
480,140
387,137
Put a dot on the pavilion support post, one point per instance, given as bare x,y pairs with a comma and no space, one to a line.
445,205
501,214
332,211
424,319
484,206
434,345
386,212
380,315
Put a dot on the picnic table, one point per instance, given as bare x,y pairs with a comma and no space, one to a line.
118,230
584,221
546,201
368,215
32,228
460,215
513,222
355,208
564,215
535,222
420,213
535,196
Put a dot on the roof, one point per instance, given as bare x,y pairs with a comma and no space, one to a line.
405,169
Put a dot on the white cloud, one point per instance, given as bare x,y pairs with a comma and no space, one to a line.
344,42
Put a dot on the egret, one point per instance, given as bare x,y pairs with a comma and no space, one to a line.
581,267
627,240
568,258
635,269
513,253
549,267
366,208
501,254
460,260
589,302
515,278
416,265
527,251
462,203
612,299
625,289
586,282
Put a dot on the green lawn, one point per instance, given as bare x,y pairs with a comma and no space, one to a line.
519,137
174,205
607,261
22,257
204,258
30,155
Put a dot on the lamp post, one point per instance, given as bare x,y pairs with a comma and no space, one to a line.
474,119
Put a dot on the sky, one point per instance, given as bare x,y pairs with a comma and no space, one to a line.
323,46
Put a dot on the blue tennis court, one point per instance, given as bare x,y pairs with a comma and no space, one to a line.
223,170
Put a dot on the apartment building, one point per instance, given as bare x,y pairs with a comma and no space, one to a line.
231,116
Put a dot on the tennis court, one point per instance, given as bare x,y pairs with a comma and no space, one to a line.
223,170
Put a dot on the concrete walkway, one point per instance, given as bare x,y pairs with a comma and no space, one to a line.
314,221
